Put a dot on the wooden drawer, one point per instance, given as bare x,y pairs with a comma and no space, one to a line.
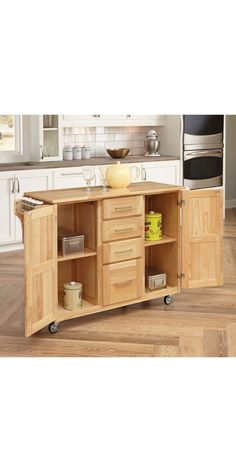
124,206
122,281
123,229
122,250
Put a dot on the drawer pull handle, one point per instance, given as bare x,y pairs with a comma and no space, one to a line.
123,230
123,252
122,284
124,208
72,173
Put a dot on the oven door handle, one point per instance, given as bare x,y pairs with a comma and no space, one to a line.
208,153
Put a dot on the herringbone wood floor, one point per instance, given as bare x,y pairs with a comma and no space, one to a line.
200,322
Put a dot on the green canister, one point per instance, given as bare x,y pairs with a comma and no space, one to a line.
72,296
153,226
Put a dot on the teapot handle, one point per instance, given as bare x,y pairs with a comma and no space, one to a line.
137,171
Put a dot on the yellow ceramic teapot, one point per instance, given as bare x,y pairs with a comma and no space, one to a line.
120,175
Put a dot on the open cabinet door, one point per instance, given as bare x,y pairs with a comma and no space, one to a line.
202,238
40,238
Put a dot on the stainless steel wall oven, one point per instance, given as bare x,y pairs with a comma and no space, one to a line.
203,150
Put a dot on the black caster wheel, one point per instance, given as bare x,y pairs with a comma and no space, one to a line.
168,299
53,327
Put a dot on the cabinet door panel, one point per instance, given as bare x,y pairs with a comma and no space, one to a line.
163,172
202,238
40,238
70,178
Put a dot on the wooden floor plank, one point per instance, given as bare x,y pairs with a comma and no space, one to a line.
215,343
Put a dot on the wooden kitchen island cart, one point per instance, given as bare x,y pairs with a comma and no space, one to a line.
116,255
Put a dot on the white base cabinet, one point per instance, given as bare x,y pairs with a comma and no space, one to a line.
165,172
28,181
12,187
7,218
70,177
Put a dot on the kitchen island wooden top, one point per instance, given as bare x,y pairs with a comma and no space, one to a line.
80,194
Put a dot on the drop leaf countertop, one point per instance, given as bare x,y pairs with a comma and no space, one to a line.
93,161
80,194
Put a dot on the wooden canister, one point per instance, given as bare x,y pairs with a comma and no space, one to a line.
72,296
153,226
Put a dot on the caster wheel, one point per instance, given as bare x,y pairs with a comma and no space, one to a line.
53,327
168,299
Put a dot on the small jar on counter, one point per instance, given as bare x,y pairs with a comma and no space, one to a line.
77,152
86,154
68,153
72,296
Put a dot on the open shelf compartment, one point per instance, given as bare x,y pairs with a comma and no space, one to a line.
83,271
163,256
81,219
82,266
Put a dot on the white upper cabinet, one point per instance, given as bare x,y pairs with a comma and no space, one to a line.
45,138
112,120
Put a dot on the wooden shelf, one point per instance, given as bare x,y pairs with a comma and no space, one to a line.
161,292
164,240
77,255
86,309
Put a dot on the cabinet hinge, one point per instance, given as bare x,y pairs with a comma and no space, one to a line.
180,202
181,276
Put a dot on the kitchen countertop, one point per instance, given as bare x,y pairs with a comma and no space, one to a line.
96,161
97,193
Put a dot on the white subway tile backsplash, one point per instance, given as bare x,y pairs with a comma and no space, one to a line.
99,145
100,153
100,138
110,144
100,129
119,137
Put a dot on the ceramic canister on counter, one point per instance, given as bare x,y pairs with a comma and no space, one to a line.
153,226
77,152
72,295
68,153
86,154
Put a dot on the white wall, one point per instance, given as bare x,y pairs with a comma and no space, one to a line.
230,161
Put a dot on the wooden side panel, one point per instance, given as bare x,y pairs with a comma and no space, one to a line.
40,238
202,238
